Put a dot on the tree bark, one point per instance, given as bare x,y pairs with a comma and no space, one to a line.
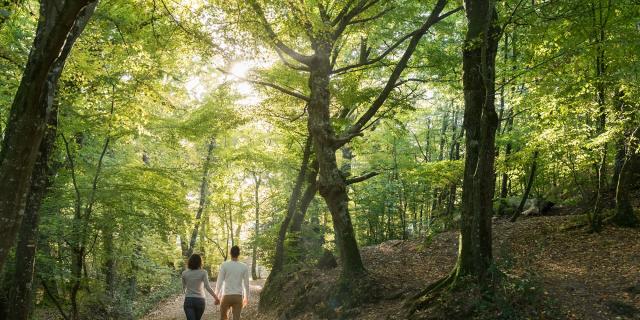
204,192
480,123
21,296
273,284
59,25
625,215
331,184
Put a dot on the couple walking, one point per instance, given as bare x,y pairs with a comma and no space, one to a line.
232,285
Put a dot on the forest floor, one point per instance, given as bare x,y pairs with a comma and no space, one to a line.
584,276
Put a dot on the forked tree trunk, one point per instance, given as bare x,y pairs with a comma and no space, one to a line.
59,25
480,123
331,183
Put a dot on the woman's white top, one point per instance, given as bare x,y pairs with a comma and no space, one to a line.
194,282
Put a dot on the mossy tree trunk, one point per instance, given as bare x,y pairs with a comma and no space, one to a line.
480,123
59,25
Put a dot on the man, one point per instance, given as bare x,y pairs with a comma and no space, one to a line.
233,286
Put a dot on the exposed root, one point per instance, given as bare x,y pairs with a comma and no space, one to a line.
423,298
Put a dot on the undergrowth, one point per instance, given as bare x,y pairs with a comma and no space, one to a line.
509,298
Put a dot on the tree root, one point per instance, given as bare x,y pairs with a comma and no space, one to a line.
623,221
423,298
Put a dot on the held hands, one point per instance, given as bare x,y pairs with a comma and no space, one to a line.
245,302
217,300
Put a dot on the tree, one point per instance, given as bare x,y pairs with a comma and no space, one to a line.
20,305
320,65
59,25
480,123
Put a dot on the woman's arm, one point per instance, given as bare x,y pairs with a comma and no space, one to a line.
208,286
184,284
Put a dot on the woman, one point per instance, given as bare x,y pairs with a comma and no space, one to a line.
194,281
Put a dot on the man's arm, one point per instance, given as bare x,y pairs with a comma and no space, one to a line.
220,280
246,285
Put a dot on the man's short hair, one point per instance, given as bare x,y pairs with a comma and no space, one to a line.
195,262
235,251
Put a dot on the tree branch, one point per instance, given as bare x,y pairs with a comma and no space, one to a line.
270,85
55,301
73,173
374,17
346,19
289,64
306,60
362,178
378,58
342,13
433,18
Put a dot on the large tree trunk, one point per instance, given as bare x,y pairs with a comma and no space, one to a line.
59,25
204,192
480,122
331,183
21,296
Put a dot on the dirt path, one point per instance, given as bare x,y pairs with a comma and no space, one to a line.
171,309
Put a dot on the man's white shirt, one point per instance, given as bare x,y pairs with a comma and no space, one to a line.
233,278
